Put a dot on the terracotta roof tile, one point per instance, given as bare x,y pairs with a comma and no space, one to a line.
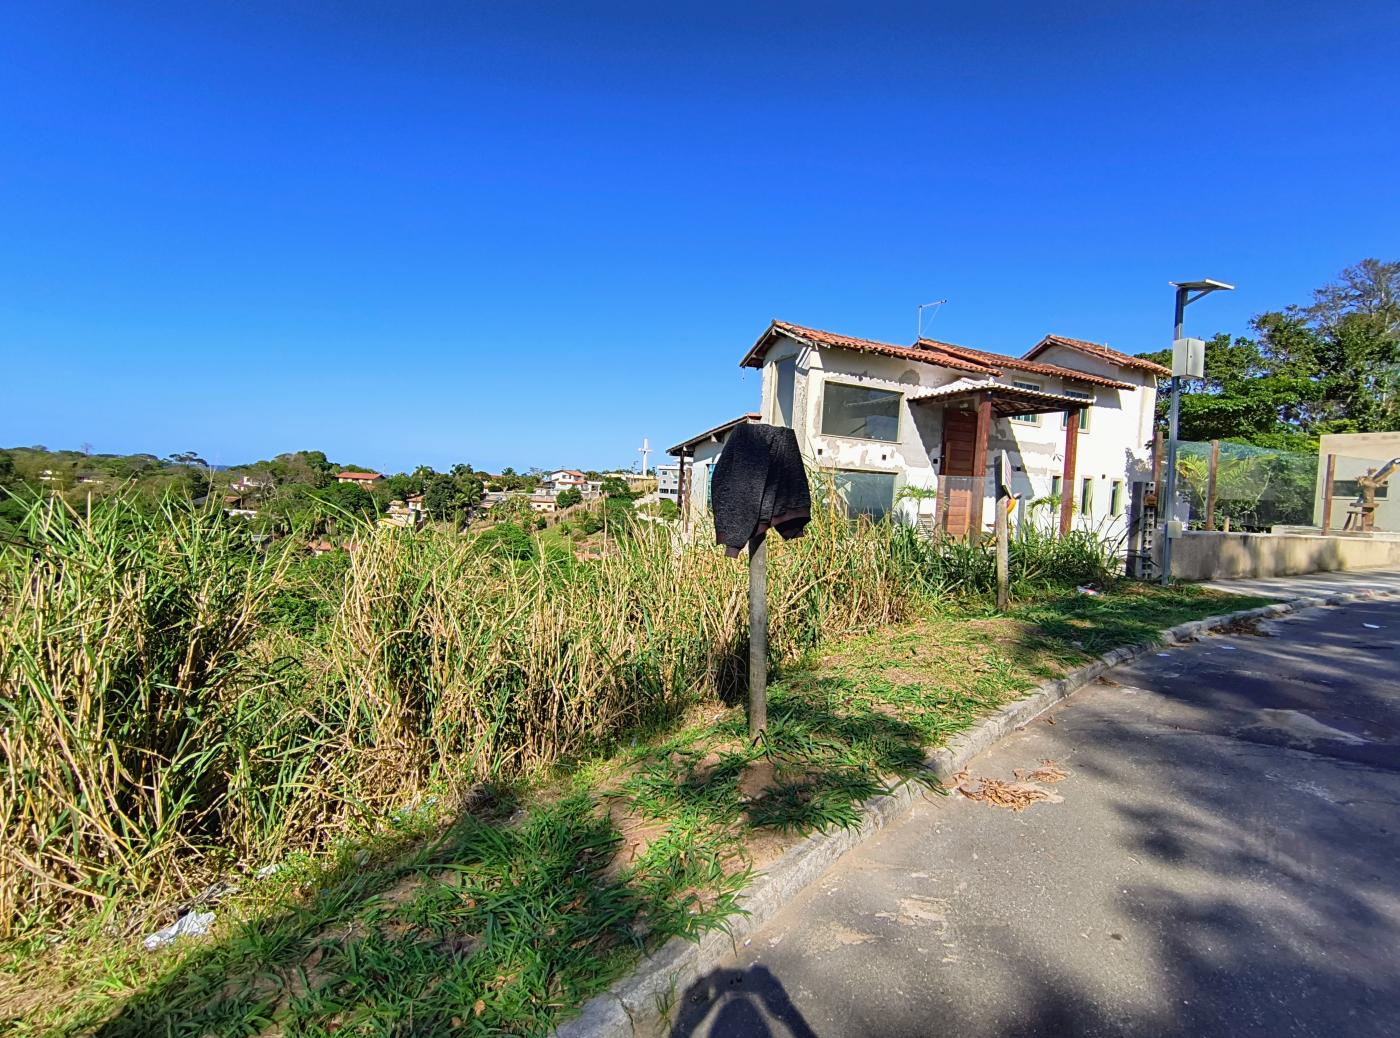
1094,349
359,475
1018,364
754,358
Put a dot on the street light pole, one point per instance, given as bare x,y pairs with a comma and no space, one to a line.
1184,298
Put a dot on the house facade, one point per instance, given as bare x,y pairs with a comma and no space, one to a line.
668,482
364,479
695,463
1073,417
560,480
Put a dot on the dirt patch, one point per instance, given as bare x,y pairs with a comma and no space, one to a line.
765,846
758,778
637,835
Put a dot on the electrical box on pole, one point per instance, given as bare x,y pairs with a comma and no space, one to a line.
1189,358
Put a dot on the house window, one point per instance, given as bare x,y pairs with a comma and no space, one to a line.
1086,496
1056,483
1115,498
860,411
786,371
866,493
1027,419
1083,412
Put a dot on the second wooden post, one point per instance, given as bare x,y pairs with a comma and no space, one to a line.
758,635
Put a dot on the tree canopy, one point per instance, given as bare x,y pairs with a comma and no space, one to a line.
1330,366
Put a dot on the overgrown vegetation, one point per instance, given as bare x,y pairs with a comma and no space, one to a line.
435,743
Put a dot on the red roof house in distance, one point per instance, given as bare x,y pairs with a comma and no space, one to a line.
365,479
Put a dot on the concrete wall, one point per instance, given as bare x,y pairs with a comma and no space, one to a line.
1199,555
1357,452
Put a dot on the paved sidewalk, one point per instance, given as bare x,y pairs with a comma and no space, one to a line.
1223,859
1313,584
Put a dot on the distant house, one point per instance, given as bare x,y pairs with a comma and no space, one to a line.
543,503
668,482
560,480
249,484
696,458
364,479
406,514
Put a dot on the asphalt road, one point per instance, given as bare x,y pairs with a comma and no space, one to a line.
1223,859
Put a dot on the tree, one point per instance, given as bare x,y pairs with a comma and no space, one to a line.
616,487
569,497
1332,366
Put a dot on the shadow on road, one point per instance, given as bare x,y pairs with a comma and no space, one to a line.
728,1003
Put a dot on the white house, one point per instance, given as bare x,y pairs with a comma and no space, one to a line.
878,417
695,462
668,482
564,479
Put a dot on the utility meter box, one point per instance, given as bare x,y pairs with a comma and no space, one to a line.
1189,358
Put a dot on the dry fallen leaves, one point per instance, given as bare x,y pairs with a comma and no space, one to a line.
1049,771
998,793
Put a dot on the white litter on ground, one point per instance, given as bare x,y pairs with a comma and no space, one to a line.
267,870
191,924
1374,627
1163,654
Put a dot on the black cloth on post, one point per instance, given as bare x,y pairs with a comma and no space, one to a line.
759,484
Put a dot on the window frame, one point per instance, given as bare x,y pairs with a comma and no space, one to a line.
836,473
1115,498
1078,394
779,419
1027,419
898,417
1086,496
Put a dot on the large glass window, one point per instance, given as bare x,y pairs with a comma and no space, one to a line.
870,414
866,493
786,371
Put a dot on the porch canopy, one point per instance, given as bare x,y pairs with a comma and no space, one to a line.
997,400
1007,401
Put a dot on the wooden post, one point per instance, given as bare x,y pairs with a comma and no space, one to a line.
758,635
1327,492
1067,479
1157,462
1210,484
979,466
1003,542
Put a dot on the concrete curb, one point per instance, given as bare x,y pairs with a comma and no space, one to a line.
640,1002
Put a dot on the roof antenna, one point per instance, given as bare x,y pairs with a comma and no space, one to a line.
919,332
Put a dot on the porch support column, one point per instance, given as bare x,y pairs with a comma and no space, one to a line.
979,466
680,491
1067,479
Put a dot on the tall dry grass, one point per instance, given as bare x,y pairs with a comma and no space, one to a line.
161,723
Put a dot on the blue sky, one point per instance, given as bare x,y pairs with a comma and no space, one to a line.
531,235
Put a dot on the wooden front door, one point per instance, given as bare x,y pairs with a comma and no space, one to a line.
959,450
